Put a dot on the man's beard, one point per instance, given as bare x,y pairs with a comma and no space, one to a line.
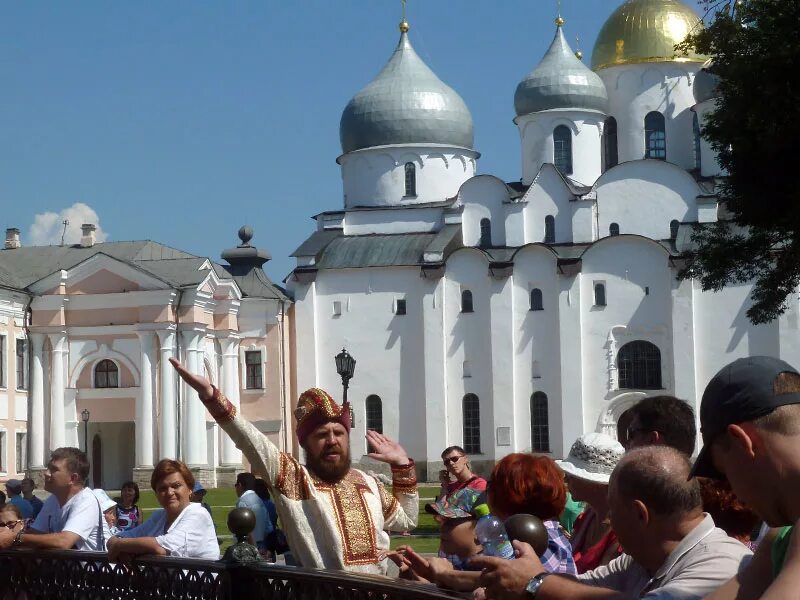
329,472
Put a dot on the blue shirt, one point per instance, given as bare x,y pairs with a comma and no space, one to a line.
23,505
37,505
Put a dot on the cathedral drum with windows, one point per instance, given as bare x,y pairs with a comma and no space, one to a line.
515,316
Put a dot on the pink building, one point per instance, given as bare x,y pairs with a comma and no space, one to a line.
89,327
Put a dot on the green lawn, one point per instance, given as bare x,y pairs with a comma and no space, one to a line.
222,500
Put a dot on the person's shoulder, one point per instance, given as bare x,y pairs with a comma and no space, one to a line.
718,542
478,483
195,510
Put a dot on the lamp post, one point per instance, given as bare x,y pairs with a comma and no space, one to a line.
85,418
345,367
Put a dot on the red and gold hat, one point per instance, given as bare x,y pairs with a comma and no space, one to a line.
316,407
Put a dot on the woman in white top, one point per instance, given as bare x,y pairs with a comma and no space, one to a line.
181,528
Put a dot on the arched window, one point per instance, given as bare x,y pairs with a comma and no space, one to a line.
411,179
639,366
613,229
374,413
472,424
610,143
466,301
106,374
562,149
486,233
540,423
599,294
655,136
549,229
536,299
696,132
674,225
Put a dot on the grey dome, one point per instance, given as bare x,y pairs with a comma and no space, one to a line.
705,85
561,80
405,104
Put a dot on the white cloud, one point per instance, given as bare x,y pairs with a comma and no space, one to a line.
48,227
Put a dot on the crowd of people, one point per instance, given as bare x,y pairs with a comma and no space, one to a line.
621,520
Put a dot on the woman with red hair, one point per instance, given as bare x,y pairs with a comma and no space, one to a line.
181,528
524,483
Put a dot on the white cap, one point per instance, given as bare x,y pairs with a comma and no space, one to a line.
592,457
105,502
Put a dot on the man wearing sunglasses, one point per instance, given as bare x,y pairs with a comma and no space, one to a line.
456,474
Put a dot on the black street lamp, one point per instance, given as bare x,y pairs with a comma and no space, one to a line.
345,367
85,417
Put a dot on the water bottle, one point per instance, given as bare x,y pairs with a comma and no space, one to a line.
492,534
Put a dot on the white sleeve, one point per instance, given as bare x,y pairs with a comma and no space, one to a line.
150,528
191,536
83,519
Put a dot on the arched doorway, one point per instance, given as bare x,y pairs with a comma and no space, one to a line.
97,462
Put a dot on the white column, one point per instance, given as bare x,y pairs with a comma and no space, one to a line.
231,455
144,403
167,443
57,424
194,431
36,427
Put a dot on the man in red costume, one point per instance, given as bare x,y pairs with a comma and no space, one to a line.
334,516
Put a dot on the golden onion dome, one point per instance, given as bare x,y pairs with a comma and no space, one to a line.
645,31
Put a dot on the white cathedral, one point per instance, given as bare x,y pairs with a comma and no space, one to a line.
516,316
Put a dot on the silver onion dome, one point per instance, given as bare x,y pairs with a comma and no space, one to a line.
561,80
405,104
705,84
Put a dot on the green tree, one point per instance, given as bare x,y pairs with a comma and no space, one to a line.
755,129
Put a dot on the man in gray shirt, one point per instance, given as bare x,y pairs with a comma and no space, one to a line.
673,550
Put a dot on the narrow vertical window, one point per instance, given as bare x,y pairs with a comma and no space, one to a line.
540,423
400,306
106,374
536,299
674,225
599,294
21,383
472,424
655,136
549,229
374,413
696,132
255,377
613,229
466,301
486,233
2,361
562,149
22,452
610,143
411,179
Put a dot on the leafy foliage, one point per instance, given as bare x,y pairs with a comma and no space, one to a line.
755,131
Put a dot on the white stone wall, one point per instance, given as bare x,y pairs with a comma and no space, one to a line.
635,90
376,176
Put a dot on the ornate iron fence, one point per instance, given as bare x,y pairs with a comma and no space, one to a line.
72,575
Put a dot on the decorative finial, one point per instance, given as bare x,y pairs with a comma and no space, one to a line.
245,235
404,26
559,20
578,52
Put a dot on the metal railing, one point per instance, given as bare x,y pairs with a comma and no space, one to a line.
73,575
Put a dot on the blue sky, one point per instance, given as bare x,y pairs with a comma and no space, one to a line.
180,121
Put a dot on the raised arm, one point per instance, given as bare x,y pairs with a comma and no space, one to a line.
264,457
401,509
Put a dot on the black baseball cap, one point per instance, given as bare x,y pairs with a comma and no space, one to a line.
742,391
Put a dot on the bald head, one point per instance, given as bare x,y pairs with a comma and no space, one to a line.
658,476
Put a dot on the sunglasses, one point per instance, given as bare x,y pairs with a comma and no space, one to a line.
11,524
452,460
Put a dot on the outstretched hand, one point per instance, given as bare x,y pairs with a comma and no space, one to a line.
202,385
386,450
507,579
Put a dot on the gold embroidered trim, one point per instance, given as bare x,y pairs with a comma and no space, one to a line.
404,479
388,502
220,407
353,518
292,481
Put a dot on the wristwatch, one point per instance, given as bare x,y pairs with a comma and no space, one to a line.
534,584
